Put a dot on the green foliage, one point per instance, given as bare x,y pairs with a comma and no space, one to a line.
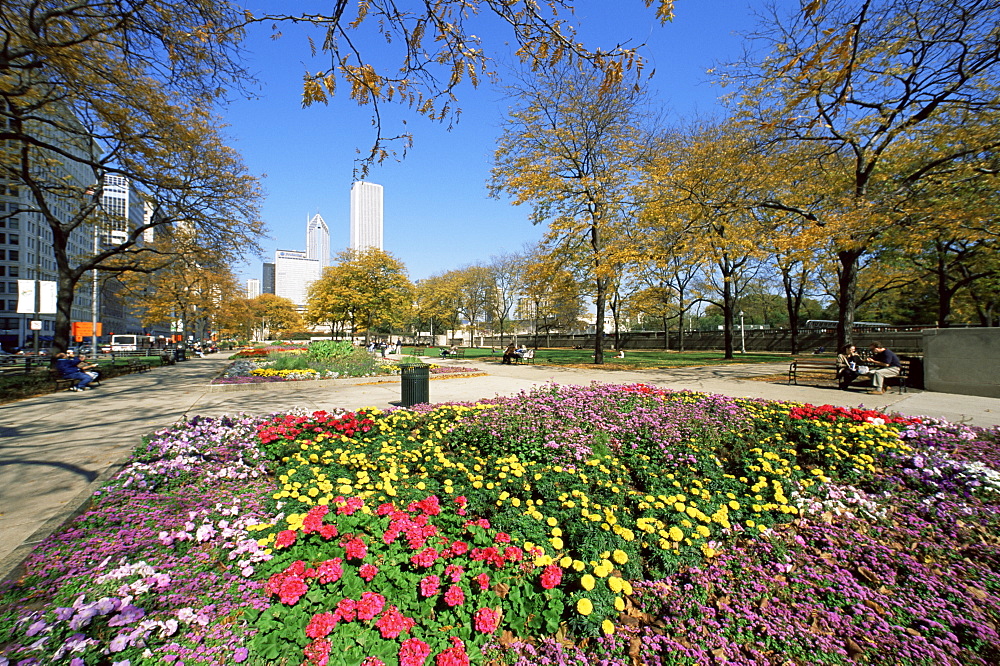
327,350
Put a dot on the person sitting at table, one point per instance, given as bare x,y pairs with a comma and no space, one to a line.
68,367
510,354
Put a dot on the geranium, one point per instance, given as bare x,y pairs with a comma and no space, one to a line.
368,571
454,596
413,652
355,548
430,585
392,623
486,620
318,652
370,605
321,625
285,538
453,656
551,576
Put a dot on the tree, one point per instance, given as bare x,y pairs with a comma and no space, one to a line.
438,301
368,287
98,94
474,288
551,293
277,315
190,292
425,51
506,273
570,148
884,97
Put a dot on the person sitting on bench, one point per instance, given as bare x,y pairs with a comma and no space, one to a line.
888,366
69,368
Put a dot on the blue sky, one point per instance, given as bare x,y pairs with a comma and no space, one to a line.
438,215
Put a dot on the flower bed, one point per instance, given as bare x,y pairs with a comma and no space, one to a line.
575,525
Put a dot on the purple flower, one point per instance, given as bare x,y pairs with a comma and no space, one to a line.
240,655
127,615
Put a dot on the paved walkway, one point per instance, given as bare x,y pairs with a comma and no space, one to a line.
55,449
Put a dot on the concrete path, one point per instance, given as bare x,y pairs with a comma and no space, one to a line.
56,449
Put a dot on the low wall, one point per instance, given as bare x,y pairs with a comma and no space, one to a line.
962,360
901,342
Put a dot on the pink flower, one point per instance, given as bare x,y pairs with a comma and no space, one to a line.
459,548
392,623
355,548
350,506
318,652
513,553
385,509
502,537
430,585
454,596
347,609
328,531
285,538
368,571
461,501
321,625
484,581
486,620
314,519
453,656
551,576
454,572
371,605
292,588
413,652
373,661
424,558
330,571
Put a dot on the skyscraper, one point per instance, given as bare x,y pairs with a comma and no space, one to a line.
318,241
293,274
366,215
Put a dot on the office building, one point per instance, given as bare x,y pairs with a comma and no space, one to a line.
294,272
366,216
267,281
253,288
318,241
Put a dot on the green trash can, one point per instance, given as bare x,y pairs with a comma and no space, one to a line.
415,382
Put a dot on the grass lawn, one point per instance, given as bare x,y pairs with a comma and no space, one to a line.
634,360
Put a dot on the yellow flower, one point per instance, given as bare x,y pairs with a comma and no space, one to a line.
584,606
556,542
615,583
620,556
608,627
619,604
676,534
587,582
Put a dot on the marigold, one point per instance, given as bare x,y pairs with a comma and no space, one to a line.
584,606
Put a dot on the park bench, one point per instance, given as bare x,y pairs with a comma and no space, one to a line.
457,353
527,357
828,366
60,382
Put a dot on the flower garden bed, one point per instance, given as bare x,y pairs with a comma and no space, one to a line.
568,525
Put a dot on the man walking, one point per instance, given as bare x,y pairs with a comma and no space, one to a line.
887,366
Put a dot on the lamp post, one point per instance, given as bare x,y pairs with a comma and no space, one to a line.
743,345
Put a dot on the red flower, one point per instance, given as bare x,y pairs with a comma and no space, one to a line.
459,548
318,652
551,576
350,506
370,606
347,609
486,620
502,537
392,623
430,586
484,581
355,548
424,558
285,538
373,661
291,590
328,531
453,656
330,571
454,572
513,553
314,519
321,625
368,571
413,652
454,596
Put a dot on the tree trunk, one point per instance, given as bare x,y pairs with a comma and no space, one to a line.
847,296
727,315
602,285
666,335
64,312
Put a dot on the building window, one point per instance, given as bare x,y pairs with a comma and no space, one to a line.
13,271
14,239
3,238
3,254
13,255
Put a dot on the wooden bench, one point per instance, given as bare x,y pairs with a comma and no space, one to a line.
829,365
61,382
457,353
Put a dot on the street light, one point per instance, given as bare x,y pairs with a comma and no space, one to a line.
743,344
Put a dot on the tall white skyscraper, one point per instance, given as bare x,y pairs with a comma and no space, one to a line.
318,241
253,288
366,215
